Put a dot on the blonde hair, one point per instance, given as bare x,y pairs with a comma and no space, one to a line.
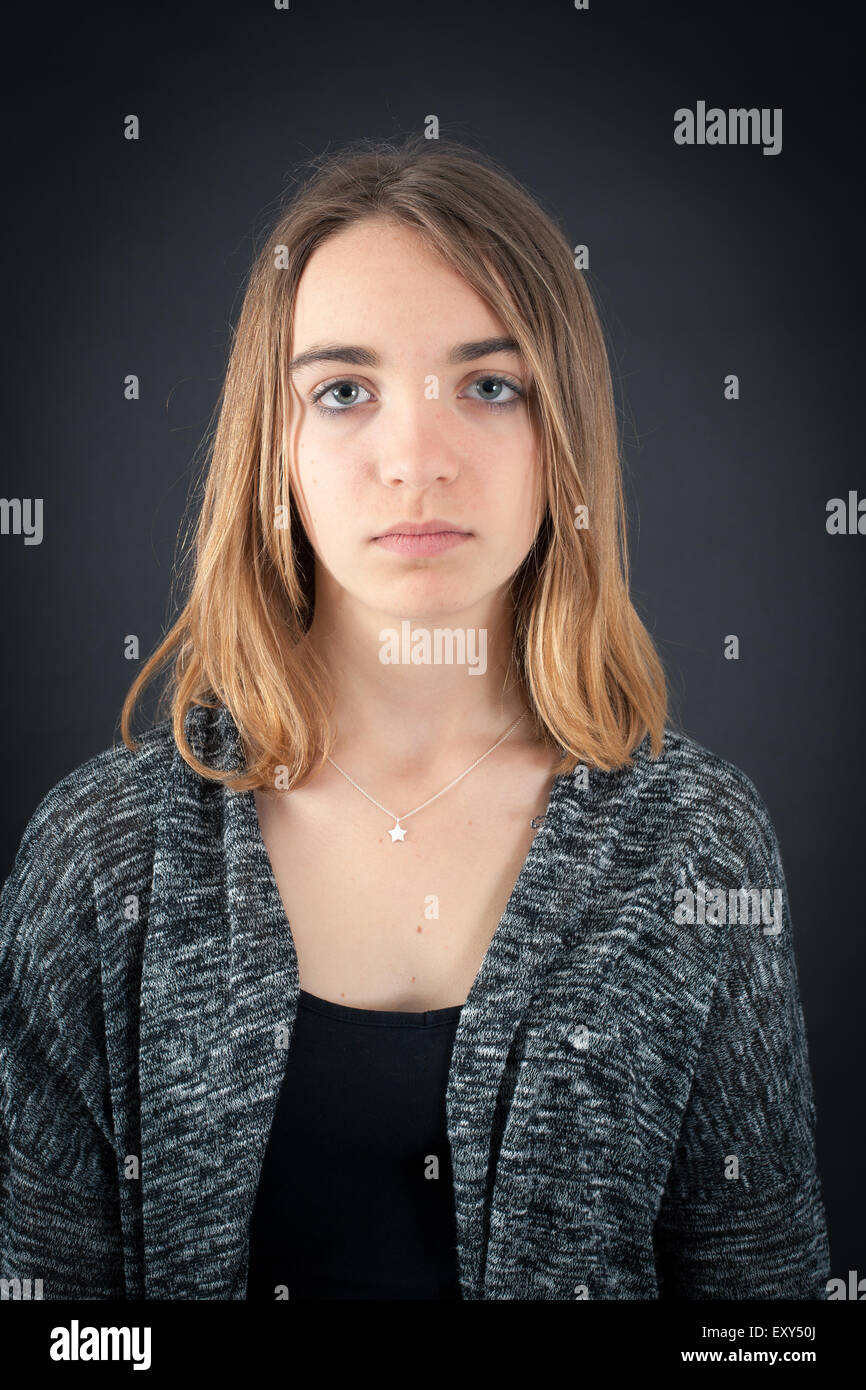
586,666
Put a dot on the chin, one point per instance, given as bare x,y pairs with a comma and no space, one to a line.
426,603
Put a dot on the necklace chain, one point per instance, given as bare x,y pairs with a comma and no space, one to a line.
398,819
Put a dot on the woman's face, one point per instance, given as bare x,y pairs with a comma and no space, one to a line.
405,423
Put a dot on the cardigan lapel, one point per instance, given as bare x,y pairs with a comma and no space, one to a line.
546,910
218,1000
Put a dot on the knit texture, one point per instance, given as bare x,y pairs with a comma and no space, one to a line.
629,1103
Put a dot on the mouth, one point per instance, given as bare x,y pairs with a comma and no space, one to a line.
431,538
436,527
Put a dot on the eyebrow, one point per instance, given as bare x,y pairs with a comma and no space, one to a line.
366,357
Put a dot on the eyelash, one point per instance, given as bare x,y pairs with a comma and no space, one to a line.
329,412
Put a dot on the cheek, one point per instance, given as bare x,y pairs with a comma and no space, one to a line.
515,481
332,491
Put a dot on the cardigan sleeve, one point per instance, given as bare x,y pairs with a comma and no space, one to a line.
742,1214
59,1199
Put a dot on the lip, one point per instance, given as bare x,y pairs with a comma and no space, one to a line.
420,528
420,542
421,537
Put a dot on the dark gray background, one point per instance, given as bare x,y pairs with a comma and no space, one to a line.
130,257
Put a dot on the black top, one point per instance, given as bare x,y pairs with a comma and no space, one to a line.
349,1204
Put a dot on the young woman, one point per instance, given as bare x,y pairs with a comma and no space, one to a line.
414,954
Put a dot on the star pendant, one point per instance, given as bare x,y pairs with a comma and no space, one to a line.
398,833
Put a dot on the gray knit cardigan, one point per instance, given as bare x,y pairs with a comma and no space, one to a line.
629,1102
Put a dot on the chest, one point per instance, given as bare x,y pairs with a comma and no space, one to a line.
388,924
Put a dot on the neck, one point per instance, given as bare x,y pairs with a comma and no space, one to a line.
400,715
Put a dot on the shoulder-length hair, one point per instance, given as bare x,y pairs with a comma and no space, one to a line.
587,668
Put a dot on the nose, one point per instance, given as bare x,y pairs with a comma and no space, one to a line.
417,446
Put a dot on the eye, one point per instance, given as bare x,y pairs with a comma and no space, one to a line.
342,388
331,388
497,382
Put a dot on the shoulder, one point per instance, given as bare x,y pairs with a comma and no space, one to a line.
96,821
694,802
90,805
699,780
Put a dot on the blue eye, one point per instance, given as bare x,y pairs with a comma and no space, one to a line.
334,387
500,381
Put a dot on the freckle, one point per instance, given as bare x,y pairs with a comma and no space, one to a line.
413,979
342,994
419,928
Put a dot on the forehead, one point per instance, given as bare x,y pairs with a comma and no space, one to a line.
378,279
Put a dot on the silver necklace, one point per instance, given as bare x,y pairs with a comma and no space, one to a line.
398,833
